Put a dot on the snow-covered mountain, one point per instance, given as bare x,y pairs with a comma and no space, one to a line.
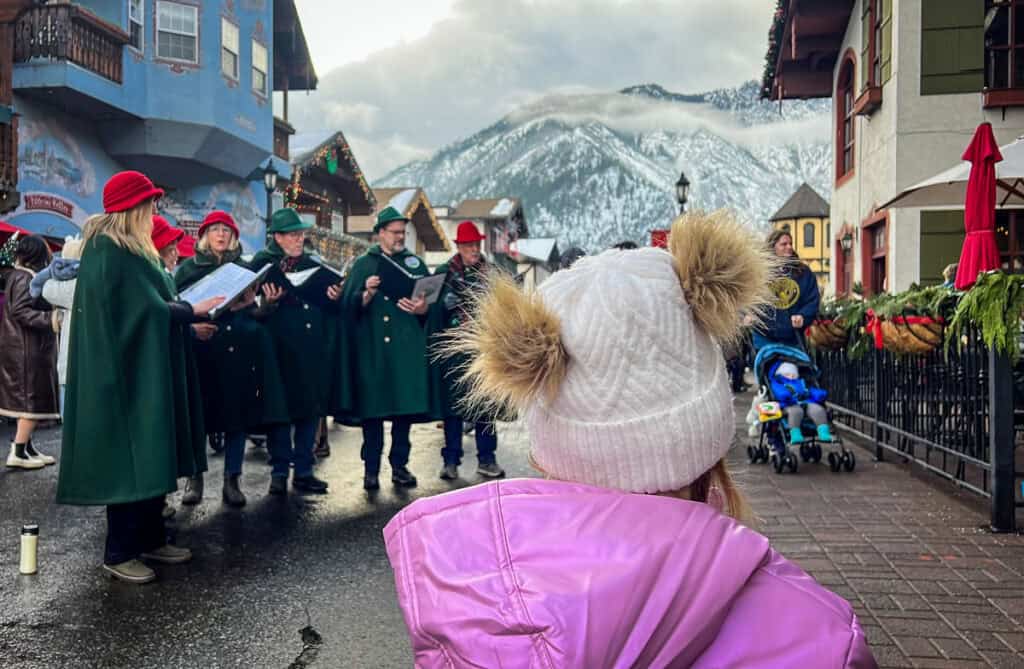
596,169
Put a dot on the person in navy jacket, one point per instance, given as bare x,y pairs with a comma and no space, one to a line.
796,297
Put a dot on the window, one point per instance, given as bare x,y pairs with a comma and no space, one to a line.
229,49
177,31
1010,240
874,253
135,24
259,68
809,236
844,122
1004,44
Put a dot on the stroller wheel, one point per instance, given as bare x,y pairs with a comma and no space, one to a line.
752,454
793,463
833,462
763,452
804,453
849,461
817,452
778,462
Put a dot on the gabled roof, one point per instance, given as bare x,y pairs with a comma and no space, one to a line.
495,208
544,250
293,66
410,202
347,178
804,203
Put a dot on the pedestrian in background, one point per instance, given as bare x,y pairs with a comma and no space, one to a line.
632,553
796,301
60,292
28,356
465,280
133,421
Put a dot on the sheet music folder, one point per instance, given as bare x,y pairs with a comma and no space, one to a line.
397,283
229,281
309,284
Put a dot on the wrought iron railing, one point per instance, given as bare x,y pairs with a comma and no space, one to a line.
69,32
939,410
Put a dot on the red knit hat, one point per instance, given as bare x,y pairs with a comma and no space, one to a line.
187,246
163,234
467,233
218,216
127,190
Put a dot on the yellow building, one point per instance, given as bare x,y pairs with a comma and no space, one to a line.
806,216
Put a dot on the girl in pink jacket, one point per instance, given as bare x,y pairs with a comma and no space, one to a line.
633,552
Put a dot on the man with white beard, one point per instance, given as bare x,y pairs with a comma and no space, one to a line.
390,367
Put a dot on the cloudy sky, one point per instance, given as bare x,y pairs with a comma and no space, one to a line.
401,78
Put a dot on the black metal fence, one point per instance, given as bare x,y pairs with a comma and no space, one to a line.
949,412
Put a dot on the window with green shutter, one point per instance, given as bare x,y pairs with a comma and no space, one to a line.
952,46
875,54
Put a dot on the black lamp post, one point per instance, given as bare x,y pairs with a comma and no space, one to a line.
847,242
682,191
270,183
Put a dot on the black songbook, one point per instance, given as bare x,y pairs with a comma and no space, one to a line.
309,284
395,282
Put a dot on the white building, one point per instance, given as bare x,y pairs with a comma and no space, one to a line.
910,80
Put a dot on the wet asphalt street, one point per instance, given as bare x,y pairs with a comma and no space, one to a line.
259,577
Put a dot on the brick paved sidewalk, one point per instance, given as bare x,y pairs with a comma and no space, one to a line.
931,587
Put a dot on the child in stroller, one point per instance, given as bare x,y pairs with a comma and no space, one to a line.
791,411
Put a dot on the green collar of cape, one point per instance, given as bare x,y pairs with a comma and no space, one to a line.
210,259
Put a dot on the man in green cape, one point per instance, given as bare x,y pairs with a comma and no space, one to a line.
390,340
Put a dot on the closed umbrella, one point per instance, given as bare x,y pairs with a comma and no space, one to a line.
980,252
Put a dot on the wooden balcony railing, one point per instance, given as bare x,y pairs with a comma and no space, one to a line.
69,32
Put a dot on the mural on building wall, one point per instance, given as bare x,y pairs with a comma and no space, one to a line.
61,169
187,208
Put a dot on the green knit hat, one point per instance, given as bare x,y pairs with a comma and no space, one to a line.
287,220
388,215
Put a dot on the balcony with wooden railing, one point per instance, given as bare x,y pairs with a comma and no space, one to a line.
68,32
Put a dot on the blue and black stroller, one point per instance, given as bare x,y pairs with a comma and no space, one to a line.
774,443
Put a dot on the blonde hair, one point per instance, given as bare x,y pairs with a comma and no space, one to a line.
203,245
131,230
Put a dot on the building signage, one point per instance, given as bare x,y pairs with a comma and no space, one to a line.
51,203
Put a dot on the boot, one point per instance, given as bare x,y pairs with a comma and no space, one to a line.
30,451
20,459
231,494
193,490
796,436
825,433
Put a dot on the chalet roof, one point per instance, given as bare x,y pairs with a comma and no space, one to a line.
347,178
804,203
802,54
544,250
413,203
495,208
293,66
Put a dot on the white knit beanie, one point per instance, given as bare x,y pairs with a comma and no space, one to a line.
645,405
615,363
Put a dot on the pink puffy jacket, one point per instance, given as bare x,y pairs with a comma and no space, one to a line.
533,573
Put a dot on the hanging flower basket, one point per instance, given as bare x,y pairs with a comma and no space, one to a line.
827,334
912,335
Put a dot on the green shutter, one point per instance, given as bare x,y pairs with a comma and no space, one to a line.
942,239
886,45
952,46
865,47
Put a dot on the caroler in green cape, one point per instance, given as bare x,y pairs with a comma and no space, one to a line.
241,385
301,330
465,276
390,342
133,420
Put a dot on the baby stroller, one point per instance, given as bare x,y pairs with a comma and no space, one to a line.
774,440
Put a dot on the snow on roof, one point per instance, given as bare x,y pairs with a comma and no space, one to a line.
402,200
504,207
536,249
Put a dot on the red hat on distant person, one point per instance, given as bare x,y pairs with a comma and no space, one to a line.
127,190
187,246
164,234
218,216
467,233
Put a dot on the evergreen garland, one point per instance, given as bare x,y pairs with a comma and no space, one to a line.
994,306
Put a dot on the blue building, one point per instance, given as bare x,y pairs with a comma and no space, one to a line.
181,90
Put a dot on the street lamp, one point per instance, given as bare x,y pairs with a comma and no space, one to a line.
847,242
682,191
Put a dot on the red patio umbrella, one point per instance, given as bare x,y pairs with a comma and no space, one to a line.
980,253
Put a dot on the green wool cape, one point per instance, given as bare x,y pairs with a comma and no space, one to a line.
133,418
391,376
309,342
241,384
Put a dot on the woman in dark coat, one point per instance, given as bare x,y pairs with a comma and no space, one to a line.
241,385
28,356
796,297
133,418
300,329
